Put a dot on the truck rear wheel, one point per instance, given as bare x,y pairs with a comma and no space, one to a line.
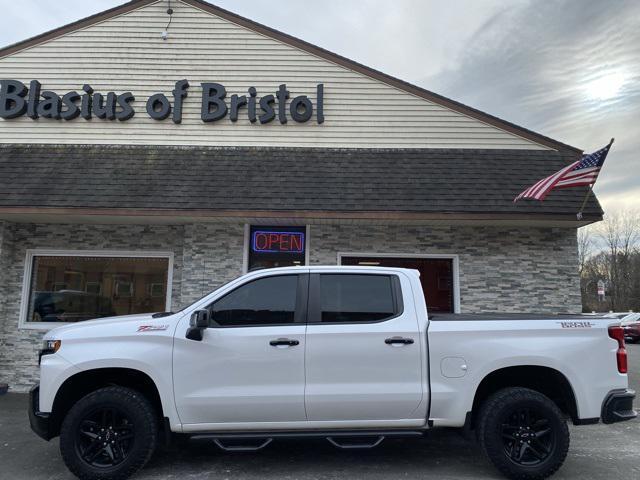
109,435
523,433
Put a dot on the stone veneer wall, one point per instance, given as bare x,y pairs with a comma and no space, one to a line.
501,269
213,255
4,246
18,357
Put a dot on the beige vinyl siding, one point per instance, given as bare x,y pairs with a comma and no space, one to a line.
126,53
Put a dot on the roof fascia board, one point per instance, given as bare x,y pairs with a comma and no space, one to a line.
302,214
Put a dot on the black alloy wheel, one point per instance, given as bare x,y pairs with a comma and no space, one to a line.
104,437
527,436
109,434
523,433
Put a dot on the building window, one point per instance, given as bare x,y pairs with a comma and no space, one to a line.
76,287
271,247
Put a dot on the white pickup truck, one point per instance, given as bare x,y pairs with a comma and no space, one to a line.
345,353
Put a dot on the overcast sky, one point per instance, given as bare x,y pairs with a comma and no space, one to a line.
569,69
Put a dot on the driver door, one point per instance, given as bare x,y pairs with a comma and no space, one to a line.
249,367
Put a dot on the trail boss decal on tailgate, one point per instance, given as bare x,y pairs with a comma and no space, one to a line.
152,328
576,324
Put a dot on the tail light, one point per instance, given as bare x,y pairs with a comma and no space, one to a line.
617,333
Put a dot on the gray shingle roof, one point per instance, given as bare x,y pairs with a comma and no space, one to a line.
282,179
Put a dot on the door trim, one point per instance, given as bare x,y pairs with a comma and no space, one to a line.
455,270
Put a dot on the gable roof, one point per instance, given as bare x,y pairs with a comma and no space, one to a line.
309,48
401,184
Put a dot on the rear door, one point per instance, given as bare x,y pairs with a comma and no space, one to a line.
363,358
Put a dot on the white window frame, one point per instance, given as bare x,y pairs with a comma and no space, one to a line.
40,252
247,245
455,273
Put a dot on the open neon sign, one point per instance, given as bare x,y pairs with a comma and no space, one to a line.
277,242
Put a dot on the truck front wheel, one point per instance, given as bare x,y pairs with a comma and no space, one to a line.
109,434
523,433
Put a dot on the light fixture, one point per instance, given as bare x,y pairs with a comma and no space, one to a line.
165,32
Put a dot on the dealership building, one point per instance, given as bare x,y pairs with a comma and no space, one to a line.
147,157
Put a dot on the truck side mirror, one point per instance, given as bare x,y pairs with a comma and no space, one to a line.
197,323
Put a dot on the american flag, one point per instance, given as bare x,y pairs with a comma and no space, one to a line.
582,172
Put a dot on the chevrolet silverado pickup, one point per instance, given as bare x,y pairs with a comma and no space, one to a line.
344,353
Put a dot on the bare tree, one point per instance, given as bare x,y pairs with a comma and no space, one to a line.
585,247
620,236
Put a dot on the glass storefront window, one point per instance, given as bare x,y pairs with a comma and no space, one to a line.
77,288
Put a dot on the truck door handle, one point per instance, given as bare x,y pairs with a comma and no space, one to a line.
398,341
284,342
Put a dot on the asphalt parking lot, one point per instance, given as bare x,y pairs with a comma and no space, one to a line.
597,452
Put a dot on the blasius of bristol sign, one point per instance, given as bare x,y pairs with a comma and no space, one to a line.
17,100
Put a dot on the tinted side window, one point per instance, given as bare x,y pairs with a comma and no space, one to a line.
266,301
356,298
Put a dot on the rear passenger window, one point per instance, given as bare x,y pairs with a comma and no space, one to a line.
356,298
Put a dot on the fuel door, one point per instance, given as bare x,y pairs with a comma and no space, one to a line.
453,367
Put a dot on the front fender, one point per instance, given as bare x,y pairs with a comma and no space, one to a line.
54,371
152,356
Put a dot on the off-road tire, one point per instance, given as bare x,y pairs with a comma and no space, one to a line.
145,433
491,422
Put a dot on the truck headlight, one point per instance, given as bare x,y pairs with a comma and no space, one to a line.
50,346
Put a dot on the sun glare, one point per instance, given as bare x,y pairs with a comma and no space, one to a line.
606,86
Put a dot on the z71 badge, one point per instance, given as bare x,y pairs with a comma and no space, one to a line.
152,328
576,324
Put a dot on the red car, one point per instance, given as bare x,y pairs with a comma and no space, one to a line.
632,332
631,325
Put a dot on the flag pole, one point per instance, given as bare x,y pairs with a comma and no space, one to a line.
584,203
586,197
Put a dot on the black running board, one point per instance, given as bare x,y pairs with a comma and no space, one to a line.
240,446
359,442
352,439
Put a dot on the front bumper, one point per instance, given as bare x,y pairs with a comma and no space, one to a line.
618,406
40,422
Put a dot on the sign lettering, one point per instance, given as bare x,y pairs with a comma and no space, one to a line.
277,242
17,100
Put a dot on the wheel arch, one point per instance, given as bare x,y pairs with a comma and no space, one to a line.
81,384
546,380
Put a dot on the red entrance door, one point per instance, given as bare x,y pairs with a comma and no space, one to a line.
436,276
